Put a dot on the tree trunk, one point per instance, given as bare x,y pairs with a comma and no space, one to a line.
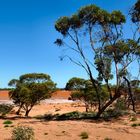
18,112
87,107
28,110
97,92
109,89
27,113
116,96
130,93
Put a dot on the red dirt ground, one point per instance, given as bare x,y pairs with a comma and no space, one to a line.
60,94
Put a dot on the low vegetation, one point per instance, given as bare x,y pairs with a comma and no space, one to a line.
135,124
84,135
5,109
23,133
107,138
75,115
7,122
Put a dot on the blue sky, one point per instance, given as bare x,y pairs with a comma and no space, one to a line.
27,37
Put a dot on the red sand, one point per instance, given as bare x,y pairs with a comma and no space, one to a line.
60,94
4,95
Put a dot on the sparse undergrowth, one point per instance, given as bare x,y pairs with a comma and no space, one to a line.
75,115
5,109
107,138
84,135
23,133
135,124
7,122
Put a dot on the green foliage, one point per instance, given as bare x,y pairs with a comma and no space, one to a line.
117,18
88,15
135,124
7,122
84,135
119,109
22,133
113,113
75,115
133,118
5,109
75,83
83,90
30,89
135,12
68,116
120,104
104,68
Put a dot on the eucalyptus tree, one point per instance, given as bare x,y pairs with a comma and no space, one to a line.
15,94
135,12
30,89
83,90
96,38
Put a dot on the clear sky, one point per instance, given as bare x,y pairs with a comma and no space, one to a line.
27,37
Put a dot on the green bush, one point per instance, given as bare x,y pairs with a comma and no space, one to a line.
48,116
22,133
5,109
68,116
113,113
120,104
7,122
135,124
133,118
84,135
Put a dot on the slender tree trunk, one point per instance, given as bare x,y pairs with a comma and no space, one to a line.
109,89
130,93
27,111
117,78
97,92
116,96
18,112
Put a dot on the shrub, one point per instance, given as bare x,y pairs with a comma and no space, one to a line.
84,135
107,138
113,113
135,124
22,133
7,122
5,109
6,125
67,116
120,104
133,118
48,117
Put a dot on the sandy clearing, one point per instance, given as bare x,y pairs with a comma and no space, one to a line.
70,130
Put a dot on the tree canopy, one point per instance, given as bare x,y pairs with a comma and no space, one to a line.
30,89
